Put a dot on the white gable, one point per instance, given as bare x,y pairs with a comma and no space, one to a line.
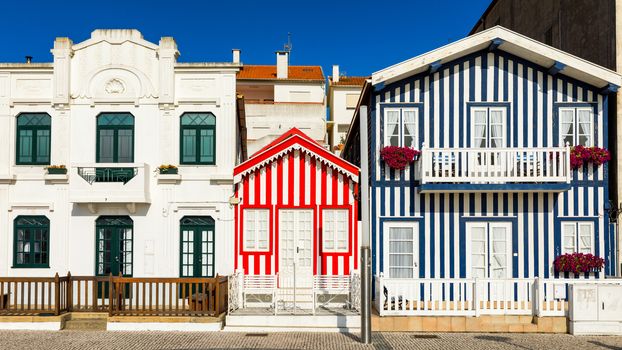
513,43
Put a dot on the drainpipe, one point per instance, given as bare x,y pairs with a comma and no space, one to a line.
618,140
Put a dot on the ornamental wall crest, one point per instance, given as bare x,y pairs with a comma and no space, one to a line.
115,86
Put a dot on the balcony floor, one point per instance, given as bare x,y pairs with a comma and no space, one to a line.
493,187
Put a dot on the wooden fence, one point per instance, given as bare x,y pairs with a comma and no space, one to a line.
116,295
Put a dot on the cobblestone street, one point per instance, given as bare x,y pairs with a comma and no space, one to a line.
223,340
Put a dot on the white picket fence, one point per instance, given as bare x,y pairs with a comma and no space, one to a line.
495,165
474,297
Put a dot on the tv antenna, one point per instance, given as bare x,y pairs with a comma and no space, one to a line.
288,46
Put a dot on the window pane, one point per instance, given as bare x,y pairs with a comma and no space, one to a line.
125,146
569,237
410,127
25,146
207,146
106,146
585,238
43,146
392,131
188,145
197,119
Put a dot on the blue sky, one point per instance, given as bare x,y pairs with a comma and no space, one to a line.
361,36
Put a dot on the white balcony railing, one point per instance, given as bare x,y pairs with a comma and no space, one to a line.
474,297
495,165
109,183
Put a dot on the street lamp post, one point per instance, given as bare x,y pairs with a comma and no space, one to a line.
365,235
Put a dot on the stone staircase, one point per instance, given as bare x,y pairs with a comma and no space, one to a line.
86,322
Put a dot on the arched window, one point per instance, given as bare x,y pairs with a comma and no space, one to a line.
115,138
198,138
33,139
31,241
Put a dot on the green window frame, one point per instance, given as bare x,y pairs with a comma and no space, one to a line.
31,242
33,139
197,138
115,138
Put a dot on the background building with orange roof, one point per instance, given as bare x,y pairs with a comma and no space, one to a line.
343,96
280,97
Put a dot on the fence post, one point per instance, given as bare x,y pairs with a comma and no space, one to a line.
539,297
110,296
381,304
217,297
69,292
475,297
56,295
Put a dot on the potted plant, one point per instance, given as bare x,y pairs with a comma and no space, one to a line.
399,157
581,155
57,170
578,263
168,169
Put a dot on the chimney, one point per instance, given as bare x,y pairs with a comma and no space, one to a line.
236,55
282,61
335,73
28,59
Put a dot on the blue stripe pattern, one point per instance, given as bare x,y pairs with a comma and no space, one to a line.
532,97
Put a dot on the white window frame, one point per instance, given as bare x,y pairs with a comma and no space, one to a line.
326,228
387,226
488,239
575,122
576,235
488,109
251,214
401,126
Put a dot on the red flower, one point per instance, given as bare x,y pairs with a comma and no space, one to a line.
580,155
578,263
398,157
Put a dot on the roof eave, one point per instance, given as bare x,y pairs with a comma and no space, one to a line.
513,43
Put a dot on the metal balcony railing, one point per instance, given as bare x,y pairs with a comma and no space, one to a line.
92,174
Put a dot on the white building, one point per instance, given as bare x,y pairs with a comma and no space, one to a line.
280,97
343,95
113,108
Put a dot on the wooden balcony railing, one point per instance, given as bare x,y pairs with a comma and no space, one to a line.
126,296
495,165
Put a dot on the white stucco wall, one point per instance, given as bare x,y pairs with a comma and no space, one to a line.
156,91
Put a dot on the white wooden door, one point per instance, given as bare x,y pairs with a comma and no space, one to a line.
490,245
296,248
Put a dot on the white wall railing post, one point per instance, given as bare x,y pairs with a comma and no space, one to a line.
538,296
425,167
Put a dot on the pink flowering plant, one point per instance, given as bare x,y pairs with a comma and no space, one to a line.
580,155
578,263
398,157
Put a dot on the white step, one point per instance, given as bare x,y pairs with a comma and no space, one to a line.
300,323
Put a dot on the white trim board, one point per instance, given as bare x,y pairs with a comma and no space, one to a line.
513,43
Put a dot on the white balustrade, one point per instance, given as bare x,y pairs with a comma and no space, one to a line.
474,297
495,165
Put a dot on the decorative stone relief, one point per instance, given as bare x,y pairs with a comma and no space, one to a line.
115,86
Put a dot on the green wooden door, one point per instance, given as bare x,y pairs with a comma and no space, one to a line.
114,248
196,247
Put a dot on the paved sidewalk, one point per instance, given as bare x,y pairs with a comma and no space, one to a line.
225,340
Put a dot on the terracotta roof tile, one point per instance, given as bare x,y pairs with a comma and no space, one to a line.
252,72
349,81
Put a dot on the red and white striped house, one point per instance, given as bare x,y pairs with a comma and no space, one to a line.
297,214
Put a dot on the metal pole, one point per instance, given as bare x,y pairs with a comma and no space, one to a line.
365,235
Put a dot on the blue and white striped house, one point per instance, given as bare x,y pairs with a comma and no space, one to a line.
492,196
